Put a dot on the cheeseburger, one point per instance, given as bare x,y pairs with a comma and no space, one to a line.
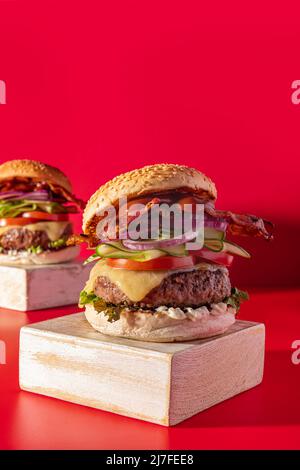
35,203
152,284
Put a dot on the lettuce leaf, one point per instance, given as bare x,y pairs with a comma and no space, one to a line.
35,250
59,243
15,208
86,298
236,298
113,312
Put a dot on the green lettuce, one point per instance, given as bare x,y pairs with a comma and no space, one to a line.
112,311
59,243
236,298
86,298
37,250
15,208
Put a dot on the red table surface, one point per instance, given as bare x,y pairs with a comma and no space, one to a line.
267,416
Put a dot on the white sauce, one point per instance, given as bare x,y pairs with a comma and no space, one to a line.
193,313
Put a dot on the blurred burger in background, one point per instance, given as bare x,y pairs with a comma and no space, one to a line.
35,203
162,288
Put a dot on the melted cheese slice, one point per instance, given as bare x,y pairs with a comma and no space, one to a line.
54,230
135,284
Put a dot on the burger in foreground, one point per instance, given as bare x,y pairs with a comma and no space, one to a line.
158,289
35,203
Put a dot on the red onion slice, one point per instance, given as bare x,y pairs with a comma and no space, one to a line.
41,195
35,196
156,244
10,194
218,225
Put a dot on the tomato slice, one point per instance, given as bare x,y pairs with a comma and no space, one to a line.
45,216
172,262
215,257
16,221
164,262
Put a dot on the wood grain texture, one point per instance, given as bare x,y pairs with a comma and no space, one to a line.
27,287
224,366
164,383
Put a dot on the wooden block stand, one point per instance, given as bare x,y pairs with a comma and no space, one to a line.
37,287
163,383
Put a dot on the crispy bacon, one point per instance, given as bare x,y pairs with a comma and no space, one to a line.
18,184
239,224
66,195
29,185
243,224
74,239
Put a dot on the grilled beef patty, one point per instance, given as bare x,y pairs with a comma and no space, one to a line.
20,239
185,289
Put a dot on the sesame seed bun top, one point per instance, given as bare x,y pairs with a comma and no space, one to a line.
146,180
35,170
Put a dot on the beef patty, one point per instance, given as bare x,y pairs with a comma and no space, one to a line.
185,289
21,239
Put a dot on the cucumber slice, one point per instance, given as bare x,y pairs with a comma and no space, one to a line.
212,233
146,255
234,249
91,258
116,245
214,245
178,250
104,250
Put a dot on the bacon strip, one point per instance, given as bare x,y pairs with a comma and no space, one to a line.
243,224
29,184
66,195
74,239
239,224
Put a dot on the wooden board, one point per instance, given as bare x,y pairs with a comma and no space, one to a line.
164,383
37,287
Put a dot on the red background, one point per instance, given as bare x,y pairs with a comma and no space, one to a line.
98,88
265,417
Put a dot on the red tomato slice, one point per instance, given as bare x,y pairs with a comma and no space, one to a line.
215,257
16,221
45,216
164,262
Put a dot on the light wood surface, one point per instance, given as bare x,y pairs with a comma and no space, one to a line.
38,287
164,383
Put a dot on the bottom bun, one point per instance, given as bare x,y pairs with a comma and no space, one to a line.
159,327
47,257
